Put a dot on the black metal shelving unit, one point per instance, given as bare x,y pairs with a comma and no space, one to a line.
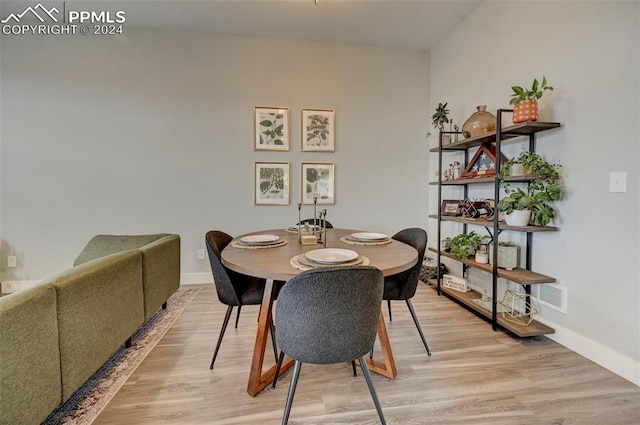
523,276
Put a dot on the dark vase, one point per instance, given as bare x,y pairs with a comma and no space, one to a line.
481,122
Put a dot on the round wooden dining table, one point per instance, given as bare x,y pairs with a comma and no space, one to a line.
274,265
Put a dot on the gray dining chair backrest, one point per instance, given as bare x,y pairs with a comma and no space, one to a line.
216,241
310,221
329,315
407,281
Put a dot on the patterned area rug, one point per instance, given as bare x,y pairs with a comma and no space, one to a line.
87,403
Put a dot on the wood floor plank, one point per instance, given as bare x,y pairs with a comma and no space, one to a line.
474,377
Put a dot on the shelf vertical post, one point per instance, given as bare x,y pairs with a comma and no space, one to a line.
439,206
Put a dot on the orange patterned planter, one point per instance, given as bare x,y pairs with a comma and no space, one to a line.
525,110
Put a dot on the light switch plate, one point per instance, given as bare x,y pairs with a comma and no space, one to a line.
618,182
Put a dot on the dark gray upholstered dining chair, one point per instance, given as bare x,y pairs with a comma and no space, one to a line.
310,221
402,286
329,315
234,289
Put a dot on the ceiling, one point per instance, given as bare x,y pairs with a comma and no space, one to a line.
416,24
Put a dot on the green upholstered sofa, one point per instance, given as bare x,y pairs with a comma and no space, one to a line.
55,336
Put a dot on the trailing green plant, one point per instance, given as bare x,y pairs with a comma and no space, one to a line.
507,243
543,189
534,164
465,245
440,118
535,92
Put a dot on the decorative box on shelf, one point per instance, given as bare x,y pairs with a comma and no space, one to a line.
456,283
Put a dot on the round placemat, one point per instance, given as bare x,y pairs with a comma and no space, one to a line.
242,245
303,263
351,241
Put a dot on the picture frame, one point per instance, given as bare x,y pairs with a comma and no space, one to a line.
450,207
271,183
318,179
318,130
271,128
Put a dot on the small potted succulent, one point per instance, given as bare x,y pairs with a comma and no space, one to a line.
526,100
507,255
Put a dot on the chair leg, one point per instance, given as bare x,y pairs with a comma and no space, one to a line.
389,307
353,365
292,391
372,390
224,327
238,315
272,328
278,366
415,320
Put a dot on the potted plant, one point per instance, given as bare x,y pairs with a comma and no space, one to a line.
507,255
533,204
440,118
465,244
445,244
526,100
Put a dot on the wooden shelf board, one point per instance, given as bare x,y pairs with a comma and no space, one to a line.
518,275
466,298
501,226
513,131
476,180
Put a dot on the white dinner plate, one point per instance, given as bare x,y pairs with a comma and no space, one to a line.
366,236
260,239
331,255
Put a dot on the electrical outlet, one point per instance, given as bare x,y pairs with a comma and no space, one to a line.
201,254
11,261
618,182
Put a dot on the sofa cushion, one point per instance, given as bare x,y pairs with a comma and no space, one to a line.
30,383
100,305
160,272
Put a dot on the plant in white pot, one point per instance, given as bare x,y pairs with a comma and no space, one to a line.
534,203
526,100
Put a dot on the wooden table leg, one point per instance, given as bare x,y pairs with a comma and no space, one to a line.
388,366
257,379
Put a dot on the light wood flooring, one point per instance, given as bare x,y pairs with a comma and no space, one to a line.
475,376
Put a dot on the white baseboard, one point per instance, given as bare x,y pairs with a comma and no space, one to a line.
195,278
617,363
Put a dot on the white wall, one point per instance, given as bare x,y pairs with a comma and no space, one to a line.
589,52
153,132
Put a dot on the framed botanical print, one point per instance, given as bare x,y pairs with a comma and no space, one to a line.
271,183
318,181
271,128
318,130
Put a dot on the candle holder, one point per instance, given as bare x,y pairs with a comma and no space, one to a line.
299,224
309,235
